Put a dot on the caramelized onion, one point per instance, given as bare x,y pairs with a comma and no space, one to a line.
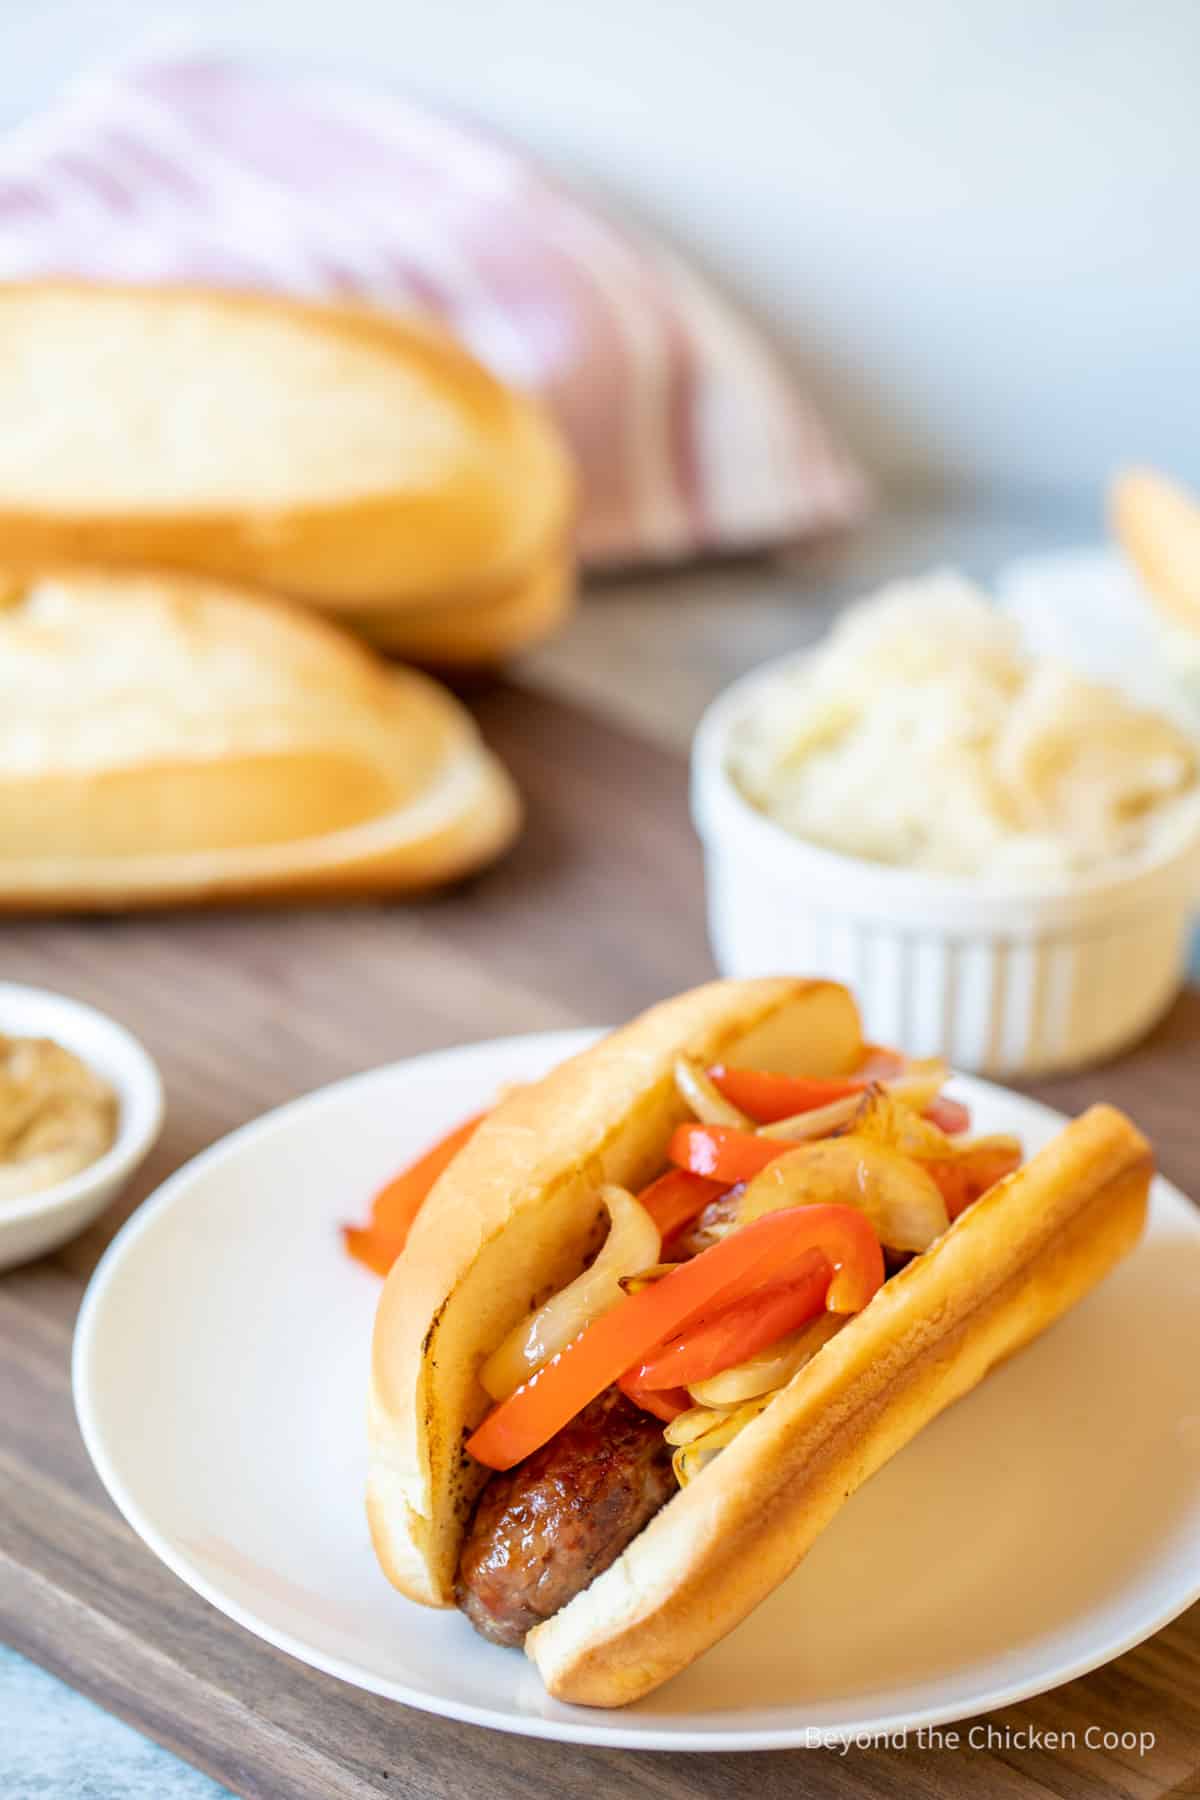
917,1088
769,1369
818,1122
900,1198
693,1424
633,1284
690,1458
701,1093
631,1247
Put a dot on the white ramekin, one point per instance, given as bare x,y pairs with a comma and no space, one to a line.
34,1223
1012,979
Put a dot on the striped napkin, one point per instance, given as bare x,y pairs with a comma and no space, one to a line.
691,435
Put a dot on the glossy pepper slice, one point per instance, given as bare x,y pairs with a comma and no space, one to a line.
619,1340
768,1098
973,1171
665,1403
737,1331
399,1201
723,1153
677,1198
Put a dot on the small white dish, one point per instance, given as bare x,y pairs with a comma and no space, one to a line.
1007,978
31,1224
220,1374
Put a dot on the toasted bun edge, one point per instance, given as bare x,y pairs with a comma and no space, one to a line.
1005,1271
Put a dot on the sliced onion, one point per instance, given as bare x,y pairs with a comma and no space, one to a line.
817,1122
633,1284
694,1423
900,1198
770,1369
920,1084
688,1461
691,1458
632,1247
885,1120
706,1100
918,1087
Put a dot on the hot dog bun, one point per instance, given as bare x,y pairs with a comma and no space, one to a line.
1008,1267
513,1218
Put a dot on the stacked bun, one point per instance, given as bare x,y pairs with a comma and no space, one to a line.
166,740
186,479
364,464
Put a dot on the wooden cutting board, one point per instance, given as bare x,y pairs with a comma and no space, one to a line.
598,911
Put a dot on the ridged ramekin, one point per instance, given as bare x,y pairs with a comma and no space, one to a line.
1012,979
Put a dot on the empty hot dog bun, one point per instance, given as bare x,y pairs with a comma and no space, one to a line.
166,741
513,1218
332,453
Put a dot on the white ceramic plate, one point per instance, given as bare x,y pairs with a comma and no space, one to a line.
32,1224
1045,1524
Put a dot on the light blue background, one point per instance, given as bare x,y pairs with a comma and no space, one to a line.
55,1744
971,222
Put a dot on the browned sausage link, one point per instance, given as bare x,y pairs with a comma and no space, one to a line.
544,1529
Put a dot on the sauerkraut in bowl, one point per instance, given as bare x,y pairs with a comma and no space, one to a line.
1001,858
921,734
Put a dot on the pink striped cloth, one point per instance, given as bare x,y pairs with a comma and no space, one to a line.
691,435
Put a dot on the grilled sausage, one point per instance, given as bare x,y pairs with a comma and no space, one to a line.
545,1528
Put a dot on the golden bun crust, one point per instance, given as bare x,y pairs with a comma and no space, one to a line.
168,741
474,636
1157,522
329,452
513,1218
1008,1267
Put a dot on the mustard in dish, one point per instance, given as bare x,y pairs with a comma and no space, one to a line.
57,1116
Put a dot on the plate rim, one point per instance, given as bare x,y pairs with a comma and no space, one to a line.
581,1730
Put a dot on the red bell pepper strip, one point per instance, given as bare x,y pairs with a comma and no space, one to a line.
675,1199
722,1152
970,1174
618,1340
369,1248
665,1403
738,1331
769,1097
399,1201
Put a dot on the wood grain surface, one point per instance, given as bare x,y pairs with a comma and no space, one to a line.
598,911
